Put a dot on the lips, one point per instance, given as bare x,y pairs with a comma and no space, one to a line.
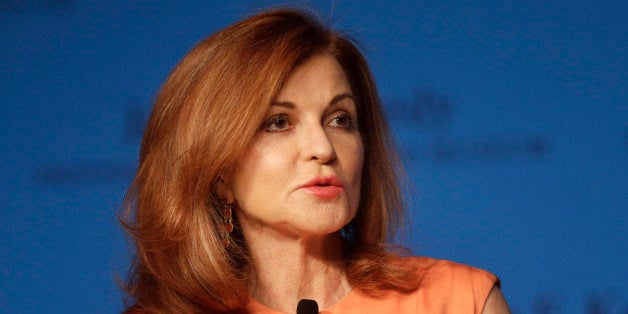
324,187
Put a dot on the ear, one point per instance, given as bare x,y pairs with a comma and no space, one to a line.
224,192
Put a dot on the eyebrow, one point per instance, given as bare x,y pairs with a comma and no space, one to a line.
333,101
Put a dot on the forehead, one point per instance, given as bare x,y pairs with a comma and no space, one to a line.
319,78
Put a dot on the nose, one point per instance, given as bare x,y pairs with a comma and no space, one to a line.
317,145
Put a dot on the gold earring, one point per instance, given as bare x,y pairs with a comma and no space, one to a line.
227,224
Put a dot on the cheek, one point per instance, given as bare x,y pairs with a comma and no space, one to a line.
355,169
358,156
353,154
260,171
359,167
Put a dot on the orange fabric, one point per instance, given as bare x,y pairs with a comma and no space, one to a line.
445,287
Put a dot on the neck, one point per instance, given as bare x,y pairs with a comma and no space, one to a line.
288,268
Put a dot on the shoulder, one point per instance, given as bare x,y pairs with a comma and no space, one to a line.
134,310
443,287
444,272
447,285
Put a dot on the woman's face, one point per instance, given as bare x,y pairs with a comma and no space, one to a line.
301,176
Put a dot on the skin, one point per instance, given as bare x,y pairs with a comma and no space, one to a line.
496,303
292,234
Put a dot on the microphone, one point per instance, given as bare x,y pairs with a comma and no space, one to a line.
307,306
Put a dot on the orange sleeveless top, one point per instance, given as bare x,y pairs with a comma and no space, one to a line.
445,287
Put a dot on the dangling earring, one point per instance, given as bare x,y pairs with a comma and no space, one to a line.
227,224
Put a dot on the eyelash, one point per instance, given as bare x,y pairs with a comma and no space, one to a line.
273,120
348,124
349,120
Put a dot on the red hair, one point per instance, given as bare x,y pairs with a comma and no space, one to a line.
206,114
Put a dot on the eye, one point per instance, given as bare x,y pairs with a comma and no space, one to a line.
342,120
277,123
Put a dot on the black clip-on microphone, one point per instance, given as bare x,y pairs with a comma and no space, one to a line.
307,306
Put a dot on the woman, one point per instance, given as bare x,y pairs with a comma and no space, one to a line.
267,176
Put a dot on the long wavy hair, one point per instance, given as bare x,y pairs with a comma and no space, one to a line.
205,116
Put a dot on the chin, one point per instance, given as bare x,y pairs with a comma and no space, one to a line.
324,226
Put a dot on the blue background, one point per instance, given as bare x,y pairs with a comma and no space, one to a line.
511,117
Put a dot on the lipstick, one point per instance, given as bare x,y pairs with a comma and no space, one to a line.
324,187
